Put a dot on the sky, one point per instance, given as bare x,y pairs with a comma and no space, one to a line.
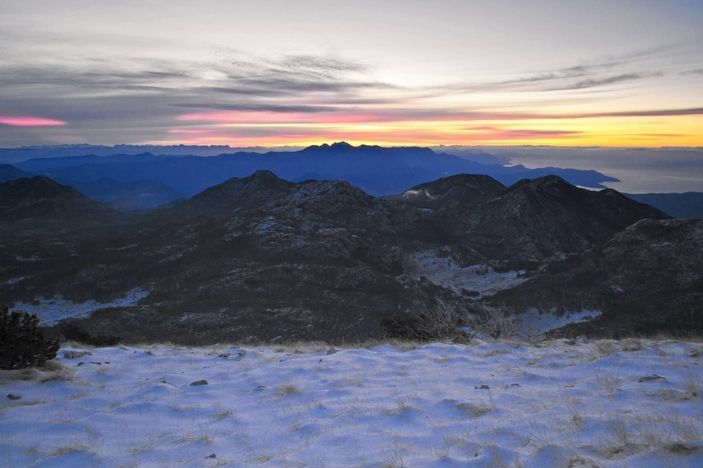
270,73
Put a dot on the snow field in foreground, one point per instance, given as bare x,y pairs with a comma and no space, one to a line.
602,403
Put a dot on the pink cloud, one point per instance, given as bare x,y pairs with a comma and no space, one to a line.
186,131
26,121
254,117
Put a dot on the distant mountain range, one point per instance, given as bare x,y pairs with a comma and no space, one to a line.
133,181
260,257
16,155
377,170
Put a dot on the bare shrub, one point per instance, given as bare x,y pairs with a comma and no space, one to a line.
439,322
495,322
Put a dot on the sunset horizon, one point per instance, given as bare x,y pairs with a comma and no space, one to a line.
619,74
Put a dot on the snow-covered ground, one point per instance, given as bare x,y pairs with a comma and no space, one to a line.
53,310
562,403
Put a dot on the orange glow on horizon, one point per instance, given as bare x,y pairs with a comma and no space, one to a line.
393,128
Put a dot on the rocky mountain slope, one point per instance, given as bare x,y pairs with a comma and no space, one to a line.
525,224
262,258
646,279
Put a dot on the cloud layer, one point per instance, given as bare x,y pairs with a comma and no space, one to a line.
78,74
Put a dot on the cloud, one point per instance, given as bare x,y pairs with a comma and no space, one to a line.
598,73
260,107
26,121
110,100
604,81
521,133
646,113
319,64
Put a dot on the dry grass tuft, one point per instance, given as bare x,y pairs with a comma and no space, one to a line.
258,460
288,390
576,419
609,382
692,388
582,462
475,411
136,450
631,344
195,439
224,414
69,449
603,348
402,406
50,372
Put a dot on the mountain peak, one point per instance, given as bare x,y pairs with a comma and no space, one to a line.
39,186
463,188
263,176
548,183
253,190
336,146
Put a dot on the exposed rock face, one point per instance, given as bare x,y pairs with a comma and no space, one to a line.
260,258
646,279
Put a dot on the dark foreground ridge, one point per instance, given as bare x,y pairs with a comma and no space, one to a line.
262,258
40,198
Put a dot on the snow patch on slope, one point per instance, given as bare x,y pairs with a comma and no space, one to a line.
417,193
445,272
535,322
51,311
